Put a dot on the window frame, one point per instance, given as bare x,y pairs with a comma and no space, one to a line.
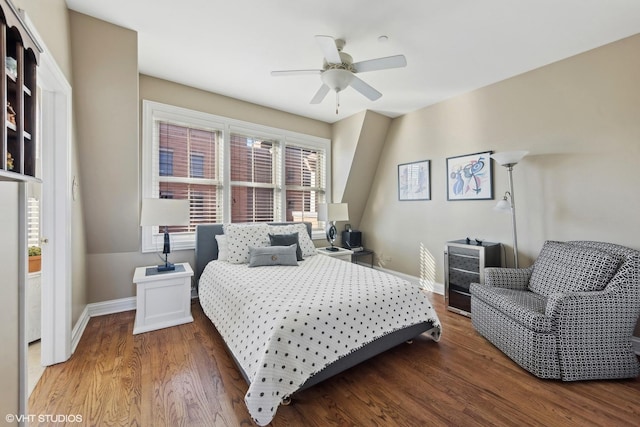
153,111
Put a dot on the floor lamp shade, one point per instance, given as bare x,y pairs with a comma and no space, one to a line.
165,212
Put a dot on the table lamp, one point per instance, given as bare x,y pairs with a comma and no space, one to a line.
165,212
332,212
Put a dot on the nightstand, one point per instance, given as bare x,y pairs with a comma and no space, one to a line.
163,299
341,253
363,253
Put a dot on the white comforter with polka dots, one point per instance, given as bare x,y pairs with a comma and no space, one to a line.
285,323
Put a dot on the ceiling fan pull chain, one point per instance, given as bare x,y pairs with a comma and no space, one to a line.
337,101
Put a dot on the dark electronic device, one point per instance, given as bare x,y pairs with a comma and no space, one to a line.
351,239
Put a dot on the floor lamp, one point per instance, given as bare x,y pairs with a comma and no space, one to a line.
509,159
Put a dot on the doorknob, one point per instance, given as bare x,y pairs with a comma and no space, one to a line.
44,240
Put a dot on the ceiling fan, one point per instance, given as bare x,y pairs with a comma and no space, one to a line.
339,71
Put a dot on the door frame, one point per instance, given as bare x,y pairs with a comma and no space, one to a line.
57,212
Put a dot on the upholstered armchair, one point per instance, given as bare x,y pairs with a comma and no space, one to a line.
569,316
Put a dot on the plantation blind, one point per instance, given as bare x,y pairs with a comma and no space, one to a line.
188,168
305,183
253,171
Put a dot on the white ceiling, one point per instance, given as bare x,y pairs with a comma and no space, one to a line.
452,46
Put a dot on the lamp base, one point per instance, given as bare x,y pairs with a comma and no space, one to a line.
331,234
332,249
166,267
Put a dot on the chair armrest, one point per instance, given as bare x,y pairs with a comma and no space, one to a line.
510,278
584,305
593,331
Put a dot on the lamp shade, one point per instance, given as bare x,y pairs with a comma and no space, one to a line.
164,212
503,205
333,212
506,158
336,79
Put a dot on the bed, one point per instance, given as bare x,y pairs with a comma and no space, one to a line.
289,327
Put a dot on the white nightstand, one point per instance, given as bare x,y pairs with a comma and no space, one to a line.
163,299
341,253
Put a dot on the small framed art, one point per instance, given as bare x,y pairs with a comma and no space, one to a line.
414,181
470,177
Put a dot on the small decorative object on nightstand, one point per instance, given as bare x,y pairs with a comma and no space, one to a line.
336,252
163,298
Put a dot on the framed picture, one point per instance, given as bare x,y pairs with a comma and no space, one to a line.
414,181
470,177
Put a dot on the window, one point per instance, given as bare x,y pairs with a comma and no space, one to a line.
166,162
197,165
33,221
305,183
230,171
254,195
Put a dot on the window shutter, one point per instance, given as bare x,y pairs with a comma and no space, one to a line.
254,196
33,222
188,169
305,183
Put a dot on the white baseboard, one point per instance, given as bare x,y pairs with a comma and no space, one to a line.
99,309
113,306
79,328
635,342
438,288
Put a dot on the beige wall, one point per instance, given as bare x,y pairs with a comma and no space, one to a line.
51,19
579,120
357,142
107,102
167,92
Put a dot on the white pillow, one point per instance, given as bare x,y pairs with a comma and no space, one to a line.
306,244
241,236
223,247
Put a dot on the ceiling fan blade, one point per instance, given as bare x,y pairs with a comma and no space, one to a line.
320,94
365,89
329,49
396,61
294,72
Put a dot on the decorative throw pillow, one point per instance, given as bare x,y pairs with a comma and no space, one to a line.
272,255
241,236
306,244
563,267
286,240
223,249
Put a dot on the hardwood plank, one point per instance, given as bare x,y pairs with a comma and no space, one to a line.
184,376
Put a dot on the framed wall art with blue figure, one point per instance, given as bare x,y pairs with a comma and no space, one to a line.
470,177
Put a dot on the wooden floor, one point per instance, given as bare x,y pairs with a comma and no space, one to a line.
184,376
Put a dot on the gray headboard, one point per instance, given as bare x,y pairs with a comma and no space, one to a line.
207,246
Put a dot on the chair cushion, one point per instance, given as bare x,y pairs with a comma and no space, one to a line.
564,267
525,307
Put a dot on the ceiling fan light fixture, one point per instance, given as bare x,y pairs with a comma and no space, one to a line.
337,79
